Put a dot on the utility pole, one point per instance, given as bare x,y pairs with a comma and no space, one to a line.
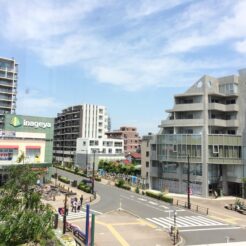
65,215
188,183
93,171
86,162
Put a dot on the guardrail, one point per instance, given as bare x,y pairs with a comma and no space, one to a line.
193,207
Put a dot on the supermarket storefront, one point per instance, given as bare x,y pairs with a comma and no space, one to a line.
26,140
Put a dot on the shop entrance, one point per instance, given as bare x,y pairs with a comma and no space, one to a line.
234,189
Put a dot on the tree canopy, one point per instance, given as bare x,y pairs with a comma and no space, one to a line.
24,218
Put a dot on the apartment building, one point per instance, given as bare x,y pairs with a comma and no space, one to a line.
206,123
129,135
95,149
145,158
80,121
8,85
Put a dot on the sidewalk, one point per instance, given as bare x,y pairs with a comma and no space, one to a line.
120,228
60,199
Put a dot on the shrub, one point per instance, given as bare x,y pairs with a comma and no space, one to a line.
120,183
98,179
159,196
64,179
126,187
86,188
137,189
167,199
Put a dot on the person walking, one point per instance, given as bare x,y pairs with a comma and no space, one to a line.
75,206
78,206
81,200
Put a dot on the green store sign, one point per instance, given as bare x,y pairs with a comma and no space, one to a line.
16,122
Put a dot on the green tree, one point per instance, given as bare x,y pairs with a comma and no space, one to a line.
24,217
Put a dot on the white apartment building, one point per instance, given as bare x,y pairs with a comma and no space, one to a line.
8,87
208,124
80,121
96,149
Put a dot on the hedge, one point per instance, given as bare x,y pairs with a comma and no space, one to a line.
123,186
98,179
64,179
70,171
159,196
82,186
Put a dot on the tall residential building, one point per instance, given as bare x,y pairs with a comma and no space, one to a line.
129,135
8,85
207,123
81,121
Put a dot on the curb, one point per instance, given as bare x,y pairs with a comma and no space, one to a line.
181,242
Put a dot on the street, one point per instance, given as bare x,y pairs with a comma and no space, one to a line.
195,228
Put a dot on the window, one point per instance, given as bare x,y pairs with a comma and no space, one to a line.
147,153
147,164
215,149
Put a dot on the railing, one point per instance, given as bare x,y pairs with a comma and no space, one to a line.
193,207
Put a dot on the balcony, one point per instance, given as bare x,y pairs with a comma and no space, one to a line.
223,107
223,123
182,122
186,107
227,161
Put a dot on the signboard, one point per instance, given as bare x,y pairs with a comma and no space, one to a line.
16,122
9,134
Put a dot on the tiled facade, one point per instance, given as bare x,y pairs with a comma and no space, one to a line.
129,135
206,123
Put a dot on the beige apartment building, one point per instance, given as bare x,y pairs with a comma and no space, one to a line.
206,123
129,135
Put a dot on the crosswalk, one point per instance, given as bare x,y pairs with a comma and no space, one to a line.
73,215
185,221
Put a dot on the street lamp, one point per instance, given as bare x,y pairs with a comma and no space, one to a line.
93,170
188,183
65,214
56,177
174,225
174,218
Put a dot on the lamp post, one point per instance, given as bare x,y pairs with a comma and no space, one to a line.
65,215
174,226
56,177
188,183
93,170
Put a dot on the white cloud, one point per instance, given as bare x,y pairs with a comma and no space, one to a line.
115,44
31,103
144,8
241,46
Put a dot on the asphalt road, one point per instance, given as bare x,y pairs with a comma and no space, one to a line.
194,228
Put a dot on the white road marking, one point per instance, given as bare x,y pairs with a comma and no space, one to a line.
142,199
211,229
185,221
162,206
153,203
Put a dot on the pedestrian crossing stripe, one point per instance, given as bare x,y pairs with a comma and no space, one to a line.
73,215
184,221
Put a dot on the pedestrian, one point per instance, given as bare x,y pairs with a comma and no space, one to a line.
78,206
72,200
75,205
81,200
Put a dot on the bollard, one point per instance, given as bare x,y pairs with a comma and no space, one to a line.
197,208
207,211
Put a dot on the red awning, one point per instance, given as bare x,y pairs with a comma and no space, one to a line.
33,147
9,147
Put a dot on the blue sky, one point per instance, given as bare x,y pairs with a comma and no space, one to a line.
131,56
